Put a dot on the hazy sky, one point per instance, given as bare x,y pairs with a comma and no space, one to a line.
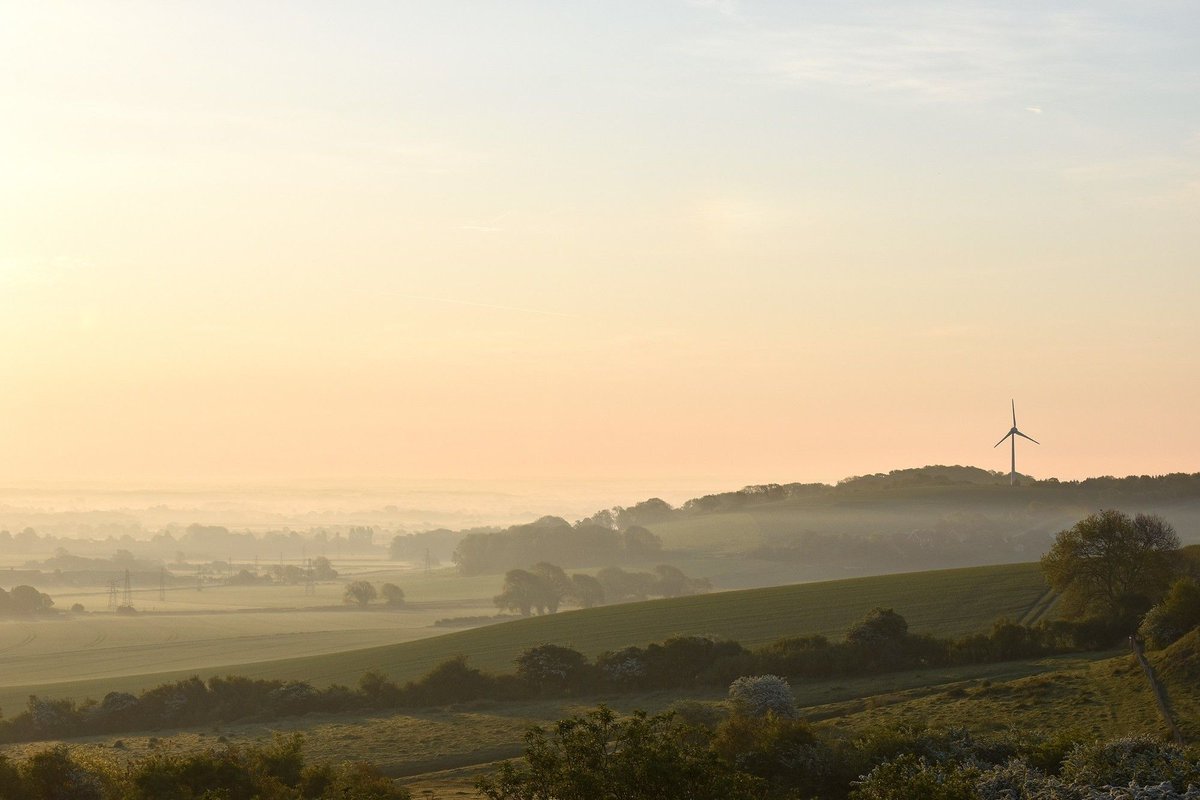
733,240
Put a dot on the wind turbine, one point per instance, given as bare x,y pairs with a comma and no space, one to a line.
1013,434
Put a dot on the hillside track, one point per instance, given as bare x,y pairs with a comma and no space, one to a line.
1040,609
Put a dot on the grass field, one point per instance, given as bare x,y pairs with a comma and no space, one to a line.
947,602
109,645
1107,698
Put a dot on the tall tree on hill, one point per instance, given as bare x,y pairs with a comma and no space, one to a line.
1109,562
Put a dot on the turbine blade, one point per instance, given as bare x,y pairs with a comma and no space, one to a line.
997,444
1014,408
1030,438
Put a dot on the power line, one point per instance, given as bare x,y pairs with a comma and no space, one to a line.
127,594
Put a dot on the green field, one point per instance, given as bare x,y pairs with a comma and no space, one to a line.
947,602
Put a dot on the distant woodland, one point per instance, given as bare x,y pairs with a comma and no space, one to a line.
937,516
556,540
926,518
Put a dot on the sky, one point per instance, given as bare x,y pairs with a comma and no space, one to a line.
723,242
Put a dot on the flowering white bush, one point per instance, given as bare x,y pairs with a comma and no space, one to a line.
625,670
908,777
1132,759
755,695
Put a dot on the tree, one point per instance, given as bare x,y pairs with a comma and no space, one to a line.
393,595
586,590
524,591
361,592
28,600
322,569
1177,614
672,582
621,586
557,584
640,542
1108,561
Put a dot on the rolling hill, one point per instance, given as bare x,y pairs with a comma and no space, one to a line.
946,602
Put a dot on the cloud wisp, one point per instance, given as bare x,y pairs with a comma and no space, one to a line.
940,53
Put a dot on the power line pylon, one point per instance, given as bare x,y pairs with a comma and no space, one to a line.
112,595
127,594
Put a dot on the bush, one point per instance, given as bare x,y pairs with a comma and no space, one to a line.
55,775
1178,613
698,714
879,638
1133,759
912,777
452,681
393,595
600,756
762,694
550,666
783,752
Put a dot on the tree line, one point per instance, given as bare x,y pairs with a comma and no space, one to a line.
545,586
555,540
24,600
880,642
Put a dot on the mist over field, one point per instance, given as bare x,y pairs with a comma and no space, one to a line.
707,399
138,510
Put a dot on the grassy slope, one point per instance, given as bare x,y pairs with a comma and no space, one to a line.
945,602
1106,698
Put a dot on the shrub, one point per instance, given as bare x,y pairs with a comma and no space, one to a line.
1133,759
551,666
698,714
782,751
600,756
393,595
879,638
757,695
452,681
912,777
1178,613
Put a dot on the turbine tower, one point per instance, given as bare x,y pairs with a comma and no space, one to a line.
1013,434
